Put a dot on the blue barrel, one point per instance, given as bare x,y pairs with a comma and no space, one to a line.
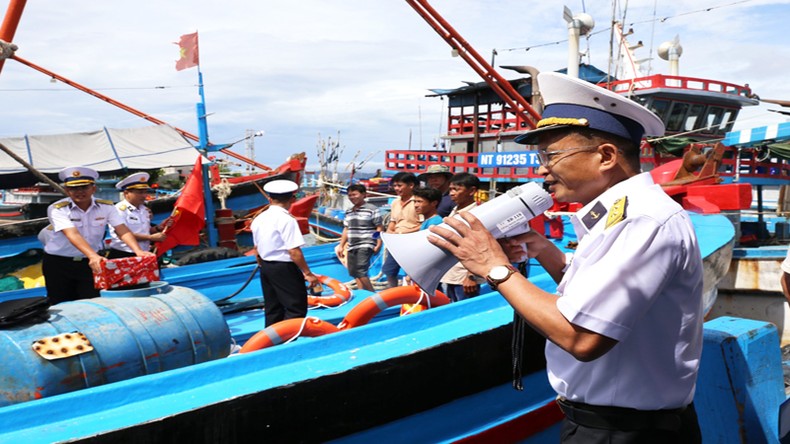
132,336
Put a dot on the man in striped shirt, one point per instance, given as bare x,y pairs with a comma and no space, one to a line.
361,232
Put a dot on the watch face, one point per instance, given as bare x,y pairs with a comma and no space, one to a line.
498,272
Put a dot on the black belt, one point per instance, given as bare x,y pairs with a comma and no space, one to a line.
621,418
67,258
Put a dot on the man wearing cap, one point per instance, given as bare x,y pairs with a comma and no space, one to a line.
136,217
438,177
624,328
78,224
278,242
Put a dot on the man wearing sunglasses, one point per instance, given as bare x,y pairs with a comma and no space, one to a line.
77,225
624,328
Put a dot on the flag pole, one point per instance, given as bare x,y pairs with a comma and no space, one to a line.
203,133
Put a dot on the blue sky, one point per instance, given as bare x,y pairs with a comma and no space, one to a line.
297,70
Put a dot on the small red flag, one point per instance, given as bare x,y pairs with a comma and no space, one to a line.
189,214
189,57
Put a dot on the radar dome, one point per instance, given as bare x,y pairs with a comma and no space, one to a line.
586,21
667,47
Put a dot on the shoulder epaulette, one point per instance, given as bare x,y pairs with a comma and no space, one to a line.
618,211
61,204
105,202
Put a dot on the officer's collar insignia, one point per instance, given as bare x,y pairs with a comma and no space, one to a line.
594,215
617,212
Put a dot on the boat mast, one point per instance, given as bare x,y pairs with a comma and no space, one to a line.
200,107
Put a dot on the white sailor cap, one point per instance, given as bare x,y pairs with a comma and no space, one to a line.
280,186
136,181
78,176
570,102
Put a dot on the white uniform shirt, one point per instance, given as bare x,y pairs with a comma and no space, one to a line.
137,220
91,224
274,232
786,263
639,282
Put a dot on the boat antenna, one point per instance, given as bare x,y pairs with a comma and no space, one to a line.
652,38
612,66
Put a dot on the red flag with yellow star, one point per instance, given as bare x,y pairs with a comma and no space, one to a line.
189,214
188,46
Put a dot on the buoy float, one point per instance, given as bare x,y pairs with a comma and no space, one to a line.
373,305
341,296
286,330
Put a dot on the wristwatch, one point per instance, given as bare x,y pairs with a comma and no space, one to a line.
500,274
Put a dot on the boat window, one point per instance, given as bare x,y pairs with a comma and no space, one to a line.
677,116
713,119
659,107
728,120
694,117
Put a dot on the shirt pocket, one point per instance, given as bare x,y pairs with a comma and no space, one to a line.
134,221
99,221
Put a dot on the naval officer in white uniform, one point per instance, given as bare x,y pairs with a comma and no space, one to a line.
279,242
624,329
78,223
136,217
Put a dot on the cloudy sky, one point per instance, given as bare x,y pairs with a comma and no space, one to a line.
309,69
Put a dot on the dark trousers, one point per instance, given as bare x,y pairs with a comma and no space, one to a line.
284,291
67,279
585,424
391,269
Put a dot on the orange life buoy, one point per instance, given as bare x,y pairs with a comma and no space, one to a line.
363,312
341,296
285,330
407,309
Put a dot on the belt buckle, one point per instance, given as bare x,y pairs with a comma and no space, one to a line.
77,258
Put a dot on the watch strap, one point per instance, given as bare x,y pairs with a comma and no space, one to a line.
494,283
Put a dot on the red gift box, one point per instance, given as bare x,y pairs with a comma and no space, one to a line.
123,272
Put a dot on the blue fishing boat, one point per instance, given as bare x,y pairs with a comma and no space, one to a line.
352,384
